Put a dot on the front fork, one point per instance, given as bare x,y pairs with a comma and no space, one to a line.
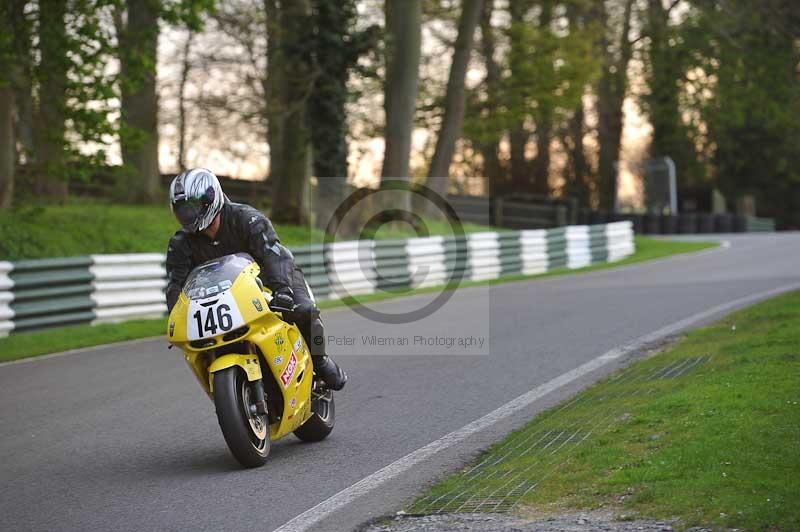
260,405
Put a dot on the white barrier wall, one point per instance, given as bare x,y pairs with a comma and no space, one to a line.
484,256
534,251
620,240
6,296
110,288
426,261
579,254
128,286
351,268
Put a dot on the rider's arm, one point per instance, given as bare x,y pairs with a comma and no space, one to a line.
179,264
276,262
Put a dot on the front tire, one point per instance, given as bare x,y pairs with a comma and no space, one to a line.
323,416
246,433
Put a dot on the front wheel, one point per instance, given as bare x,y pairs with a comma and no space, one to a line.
323,415
245,432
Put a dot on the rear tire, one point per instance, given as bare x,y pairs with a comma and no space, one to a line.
246,434
323,416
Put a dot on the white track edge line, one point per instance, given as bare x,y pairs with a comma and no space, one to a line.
313,516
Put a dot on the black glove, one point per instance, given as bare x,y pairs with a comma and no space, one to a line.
282,300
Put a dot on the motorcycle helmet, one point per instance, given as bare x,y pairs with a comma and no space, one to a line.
196,197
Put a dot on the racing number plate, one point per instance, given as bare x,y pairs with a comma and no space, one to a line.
216,318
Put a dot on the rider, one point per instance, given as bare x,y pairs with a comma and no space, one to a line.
212,227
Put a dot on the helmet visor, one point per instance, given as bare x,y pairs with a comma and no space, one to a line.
190,211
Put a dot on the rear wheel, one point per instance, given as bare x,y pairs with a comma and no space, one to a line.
323,416
245,432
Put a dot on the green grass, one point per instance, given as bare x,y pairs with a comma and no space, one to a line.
28,344
718,447
83,227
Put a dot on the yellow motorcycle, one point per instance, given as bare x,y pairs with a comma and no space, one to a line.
253,364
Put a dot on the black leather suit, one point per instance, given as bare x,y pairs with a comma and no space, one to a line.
244,229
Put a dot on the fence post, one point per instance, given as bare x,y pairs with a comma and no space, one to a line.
573,211
561,215
498,212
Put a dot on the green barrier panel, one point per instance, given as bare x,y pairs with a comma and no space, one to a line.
56,320
556,260
391,264
311,259
598,243
556,248
52,307
53,292
456,259
39,273
510,253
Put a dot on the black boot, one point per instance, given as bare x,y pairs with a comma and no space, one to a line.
330,372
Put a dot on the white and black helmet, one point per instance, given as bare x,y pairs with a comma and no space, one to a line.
196,198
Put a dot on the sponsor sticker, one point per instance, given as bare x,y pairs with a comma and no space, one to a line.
297,345
257,304
293,402
279,341
278,360
288,372
171,328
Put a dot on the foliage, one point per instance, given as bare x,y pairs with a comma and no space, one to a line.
547,65
550,67
750,114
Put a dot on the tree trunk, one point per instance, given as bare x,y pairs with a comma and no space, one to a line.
611,92
609,131
328,116
22,78
455,100
540,169
138,43
520,177
290,203
7,151
403,49
186,67
492,169
519,135
50,144
273,91
577,166
541,164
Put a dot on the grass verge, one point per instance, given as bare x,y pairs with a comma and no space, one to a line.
28,344
84,226
707,432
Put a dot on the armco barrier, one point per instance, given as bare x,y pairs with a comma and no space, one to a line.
128,286
6,297
105,288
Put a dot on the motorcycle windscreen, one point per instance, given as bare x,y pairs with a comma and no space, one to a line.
215,276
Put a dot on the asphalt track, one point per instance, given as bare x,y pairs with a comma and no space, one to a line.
122,437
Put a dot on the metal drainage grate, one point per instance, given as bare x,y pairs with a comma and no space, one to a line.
502,478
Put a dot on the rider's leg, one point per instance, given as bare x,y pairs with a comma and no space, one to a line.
311,328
